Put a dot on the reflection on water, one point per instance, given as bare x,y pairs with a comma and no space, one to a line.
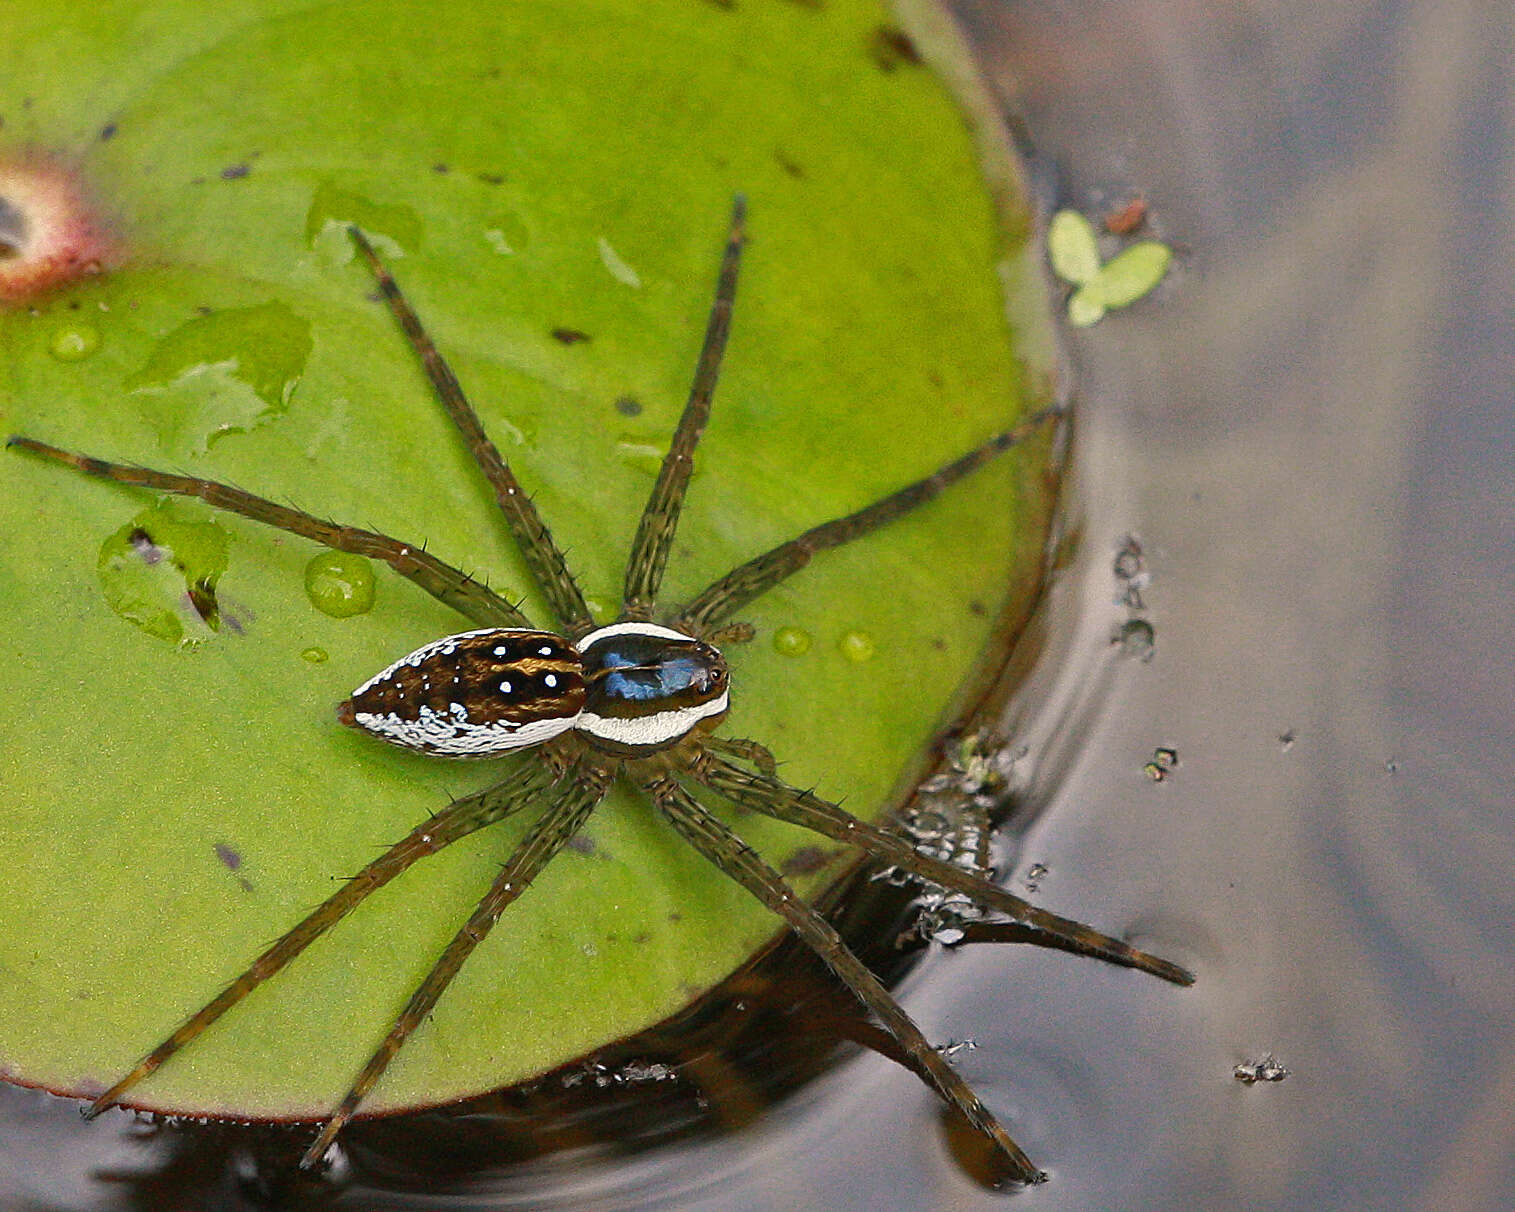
1310,433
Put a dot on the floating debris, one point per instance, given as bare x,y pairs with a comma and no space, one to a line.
1268,1069
1164,762
1131,274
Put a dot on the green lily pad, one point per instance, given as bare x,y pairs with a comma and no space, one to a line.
550,181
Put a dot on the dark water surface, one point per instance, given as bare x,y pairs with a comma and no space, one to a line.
1310,432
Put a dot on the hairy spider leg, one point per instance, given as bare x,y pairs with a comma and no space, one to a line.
447,584
543,556
740,862
460,818
585,786
761,573
654,537
766,794
747,751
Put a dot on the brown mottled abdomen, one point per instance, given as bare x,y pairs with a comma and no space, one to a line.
475,694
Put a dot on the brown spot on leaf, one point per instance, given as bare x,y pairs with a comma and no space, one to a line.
790,166
892,47
570,336
232,861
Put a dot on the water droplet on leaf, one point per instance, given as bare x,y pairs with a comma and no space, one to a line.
74,342
340,584
617,266
791,641
392,228
857,646
224,373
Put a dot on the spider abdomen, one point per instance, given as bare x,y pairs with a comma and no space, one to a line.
475,694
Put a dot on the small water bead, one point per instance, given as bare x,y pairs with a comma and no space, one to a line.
857,646
791,641
74,342
339,584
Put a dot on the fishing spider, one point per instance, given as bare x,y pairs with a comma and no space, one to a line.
636,699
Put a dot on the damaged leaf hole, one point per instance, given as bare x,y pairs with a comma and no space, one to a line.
160,572
12,229
49,235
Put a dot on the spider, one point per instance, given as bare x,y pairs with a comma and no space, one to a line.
638,699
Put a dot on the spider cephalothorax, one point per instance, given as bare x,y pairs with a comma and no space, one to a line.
635,700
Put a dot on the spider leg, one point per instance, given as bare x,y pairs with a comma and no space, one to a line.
744,750
543,556
765,794
447,584
457,820
649,552
761,573
738,860
586,787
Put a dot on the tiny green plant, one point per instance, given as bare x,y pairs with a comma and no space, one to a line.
1101,285
638,699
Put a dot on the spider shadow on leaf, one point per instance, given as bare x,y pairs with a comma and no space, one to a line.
638,699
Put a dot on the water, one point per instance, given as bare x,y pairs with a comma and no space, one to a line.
1309,433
